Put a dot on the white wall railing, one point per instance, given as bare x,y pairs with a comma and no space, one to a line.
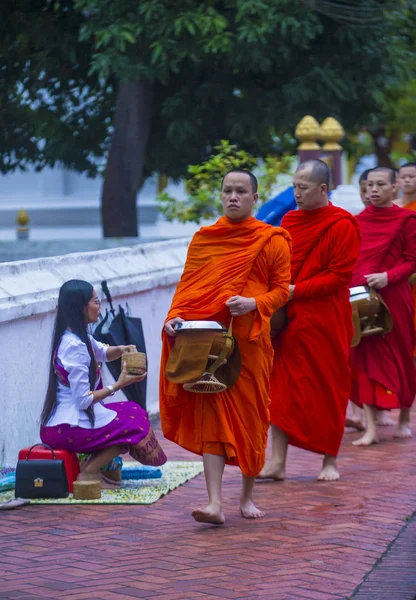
145,276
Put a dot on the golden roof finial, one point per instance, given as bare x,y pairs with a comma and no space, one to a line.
331,133
22,218
308,131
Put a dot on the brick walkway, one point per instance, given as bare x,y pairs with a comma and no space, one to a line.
395,575
319,541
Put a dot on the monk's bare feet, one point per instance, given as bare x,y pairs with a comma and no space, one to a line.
273,471
211,514
403,427
328,474
367,439
383,419
403,431
356,424
329,469
249,510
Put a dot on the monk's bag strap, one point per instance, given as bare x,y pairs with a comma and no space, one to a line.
370,316
204,361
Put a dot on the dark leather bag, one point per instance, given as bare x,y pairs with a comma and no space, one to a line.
40,478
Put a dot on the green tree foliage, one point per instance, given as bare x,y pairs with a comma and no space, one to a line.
203,183
52,110
243,70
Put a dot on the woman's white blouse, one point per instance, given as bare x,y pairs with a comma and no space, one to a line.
72,401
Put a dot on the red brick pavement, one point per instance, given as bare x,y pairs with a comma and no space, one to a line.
317,542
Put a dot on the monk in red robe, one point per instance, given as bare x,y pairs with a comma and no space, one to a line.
407,183
384,376
237,268
310,382
355,414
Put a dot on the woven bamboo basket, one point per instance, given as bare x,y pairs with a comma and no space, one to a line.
207,383
87,490
136,362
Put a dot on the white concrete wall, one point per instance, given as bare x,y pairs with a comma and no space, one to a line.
144,275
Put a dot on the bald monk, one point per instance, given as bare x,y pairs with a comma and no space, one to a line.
407,183
383,372
239,267
310,382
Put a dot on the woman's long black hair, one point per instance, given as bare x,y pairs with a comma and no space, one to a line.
74,296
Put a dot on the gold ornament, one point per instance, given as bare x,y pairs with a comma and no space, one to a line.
331,133
308,131
22,218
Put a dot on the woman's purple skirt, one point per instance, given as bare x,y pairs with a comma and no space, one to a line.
130,428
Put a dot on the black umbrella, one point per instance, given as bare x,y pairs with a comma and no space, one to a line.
123,330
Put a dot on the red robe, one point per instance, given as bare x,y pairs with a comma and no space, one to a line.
310,382
383,370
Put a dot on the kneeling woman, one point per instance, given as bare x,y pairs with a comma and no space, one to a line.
73,416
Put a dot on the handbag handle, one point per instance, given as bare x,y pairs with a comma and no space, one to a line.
46,446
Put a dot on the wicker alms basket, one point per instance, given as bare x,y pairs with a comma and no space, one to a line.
87,490
136,362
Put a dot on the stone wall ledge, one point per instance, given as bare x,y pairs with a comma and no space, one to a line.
31,287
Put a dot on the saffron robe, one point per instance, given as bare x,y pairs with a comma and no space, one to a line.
227,259
383,370
310,382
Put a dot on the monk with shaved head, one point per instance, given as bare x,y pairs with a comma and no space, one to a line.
310,382
384,376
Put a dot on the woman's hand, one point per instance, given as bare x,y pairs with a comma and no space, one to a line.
129,348
115,352
125,379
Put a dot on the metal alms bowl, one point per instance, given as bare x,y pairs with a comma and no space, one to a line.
186,325
368,304
360,292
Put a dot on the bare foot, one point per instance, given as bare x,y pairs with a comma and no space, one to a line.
383,419
272,471
403,432
211,514
249,510
367,440
356,424
82,476
328,473
108,484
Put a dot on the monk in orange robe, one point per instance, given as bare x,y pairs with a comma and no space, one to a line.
407,183
237,268
310,382
384,376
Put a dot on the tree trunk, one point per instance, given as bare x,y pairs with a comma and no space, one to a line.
126,159
382,147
